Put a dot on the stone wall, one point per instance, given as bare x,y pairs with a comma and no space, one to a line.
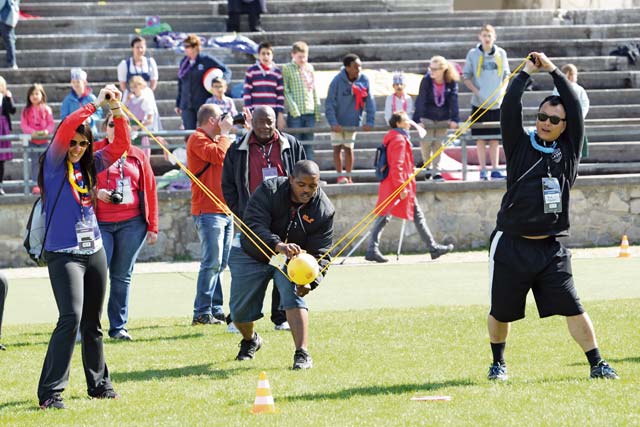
462,213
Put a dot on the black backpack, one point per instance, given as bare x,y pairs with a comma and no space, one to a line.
380,163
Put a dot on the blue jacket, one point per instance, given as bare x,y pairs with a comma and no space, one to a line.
340,106
73,102
426,106
191,93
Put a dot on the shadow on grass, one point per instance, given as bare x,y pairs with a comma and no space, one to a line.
182,372
374,391
625,359
154,339
27,404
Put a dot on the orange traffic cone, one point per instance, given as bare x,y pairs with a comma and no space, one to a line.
624,248
264,400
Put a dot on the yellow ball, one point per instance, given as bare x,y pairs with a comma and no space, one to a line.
303,269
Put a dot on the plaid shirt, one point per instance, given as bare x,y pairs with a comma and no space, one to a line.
296,96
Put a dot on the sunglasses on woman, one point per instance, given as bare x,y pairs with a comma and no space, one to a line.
111,124
82,144
542,117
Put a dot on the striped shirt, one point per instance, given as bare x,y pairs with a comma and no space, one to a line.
300,94
264,87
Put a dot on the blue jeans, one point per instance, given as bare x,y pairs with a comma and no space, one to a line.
189,118
249,280
215,232
122,242
9,37
303,121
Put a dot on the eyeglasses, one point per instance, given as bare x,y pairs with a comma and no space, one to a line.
542,117
111,124
82,144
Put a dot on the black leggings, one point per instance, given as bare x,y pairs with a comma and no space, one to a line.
1,175
4,287
79,283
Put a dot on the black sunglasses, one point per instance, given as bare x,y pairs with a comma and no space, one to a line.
111,124
82,144
542,117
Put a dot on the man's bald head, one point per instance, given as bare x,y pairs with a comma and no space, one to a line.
263,123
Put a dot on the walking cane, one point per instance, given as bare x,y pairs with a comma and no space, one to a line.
355,247
404,222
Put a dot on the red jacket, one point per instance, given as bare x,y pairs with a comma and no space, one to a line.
203,151
147,192
401,166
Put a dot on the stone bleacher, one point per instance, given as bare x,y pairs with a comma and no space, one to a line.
387,34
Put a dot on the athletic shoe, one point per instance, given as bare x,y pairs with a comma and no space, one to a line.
205,319
497,175
3,348
122,335
105,394
603,370
483,175
375,256
231,328
220,316
438,178
427,176
284,326
54,402
439,250
498,371
343,180
302,360
248,348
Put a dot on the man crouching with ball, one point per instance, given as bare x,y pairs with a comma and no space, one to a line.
525,254
290,215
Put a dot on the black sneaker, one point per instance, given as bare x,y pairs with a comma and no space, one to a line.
438,178
205,319
603,370
439,250
105,394
498,371
3,348
220,316
302,360
248,348
54,402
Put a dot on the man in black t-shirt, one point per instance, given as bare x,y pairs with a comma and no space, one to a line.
525,254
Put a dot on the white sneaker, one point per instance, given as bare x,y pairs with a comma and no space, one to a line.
122,335
284,326
231,328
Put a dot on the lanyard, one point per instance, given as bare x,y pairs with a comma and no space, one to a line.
120,168
80,188
267,156
81,193
393,102
295,214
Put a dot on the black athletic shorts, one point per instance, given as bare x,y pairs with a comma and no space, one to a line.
517,264
489,116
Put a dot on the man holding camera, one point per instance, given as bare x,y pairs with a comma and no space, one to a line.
262,154
206,150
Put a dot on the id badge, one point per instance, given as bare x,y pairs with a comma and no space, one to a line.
124,185
278,261
268,173
551,195
84,234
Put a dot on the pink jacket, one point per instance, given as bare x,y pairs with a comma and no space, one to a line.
37,118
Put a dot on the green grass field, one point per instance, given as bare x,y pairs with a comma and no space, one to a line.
380,335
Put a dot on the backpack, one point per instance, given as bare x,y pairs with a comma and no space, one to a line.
37,229
380,163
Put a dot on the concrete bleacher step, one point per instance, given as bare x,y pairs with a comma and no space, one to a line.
361,36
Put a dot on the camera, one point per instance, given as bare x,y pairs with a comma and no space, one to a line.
116,197
238,119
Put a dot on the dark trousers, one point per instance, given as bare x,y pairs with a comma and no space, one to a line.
4,287
233,23
79,283
9,37
277,316
1,170
189,118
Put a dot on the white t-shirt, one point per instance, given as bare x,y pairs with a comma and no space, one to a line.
148,66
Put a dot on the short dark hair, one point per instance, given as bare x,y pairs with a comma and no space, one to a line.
265,45
553,100
137,39
397,117
349,58
306,168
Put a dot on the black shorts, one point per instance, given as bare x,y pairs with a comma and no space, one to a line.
489,116
517,264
